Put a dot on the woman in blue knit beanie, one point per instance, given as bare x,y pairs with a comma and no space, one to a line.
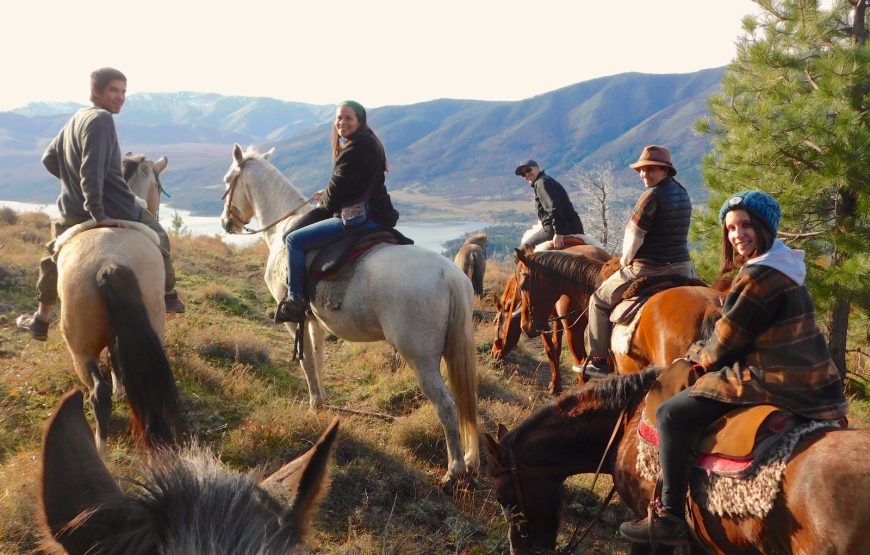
766,349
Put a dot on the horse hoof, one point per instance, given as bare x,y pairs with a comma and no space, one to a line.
554,389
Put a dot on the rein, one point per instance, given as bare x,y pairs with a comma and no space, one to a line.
551,319
233,212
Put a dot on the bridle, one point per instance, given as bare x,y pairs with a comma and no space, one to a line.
527,274
516,472
236,216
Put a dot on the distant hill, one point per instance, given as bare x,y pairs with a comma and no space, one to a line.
453,150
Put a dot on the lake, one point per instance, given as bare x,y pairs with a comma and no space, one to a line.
431,235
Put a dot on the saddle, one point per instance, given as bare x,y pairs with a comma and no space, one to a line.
326,264
65,237
732,443
639,292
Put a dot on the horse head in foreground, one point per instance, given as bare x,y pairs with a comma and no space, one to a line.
414,299
188,504
822,505
143,177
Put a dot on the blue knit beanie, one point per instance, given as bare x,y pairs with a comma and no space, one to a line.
761,205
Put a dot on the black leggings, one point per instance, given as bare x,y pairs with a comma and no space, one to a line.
680,421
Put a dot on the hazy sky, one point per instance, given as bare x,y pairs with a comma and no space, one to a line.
378,52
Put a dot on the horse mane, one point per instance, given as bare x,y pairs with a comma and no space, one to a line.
130,163
613,393
570,266
228,506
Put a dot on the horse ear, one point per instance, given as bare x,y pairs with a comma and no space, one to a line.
497,302
521,256
237,153
492,453
268,154
160,165
502,431
74,479
301,483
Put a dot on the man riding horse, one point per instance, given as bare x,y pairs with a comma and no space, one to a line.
655,244
86,157
555,211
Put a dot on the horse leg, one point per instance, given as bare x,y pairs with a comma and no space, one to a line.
100,397
312,360
427,370
553,349
117,376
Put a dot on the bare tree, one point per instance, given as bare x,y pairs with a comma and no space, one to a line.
602,203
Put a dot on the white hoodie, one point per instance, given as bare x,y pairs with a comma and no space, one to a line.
788,261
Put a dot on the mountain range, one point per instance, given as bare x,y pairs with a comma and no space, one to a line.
442,154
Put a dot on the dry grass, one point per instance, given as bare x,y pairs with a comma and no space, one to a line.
242,397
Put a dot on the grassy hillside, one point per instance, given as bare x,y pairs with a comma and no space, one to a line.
243,399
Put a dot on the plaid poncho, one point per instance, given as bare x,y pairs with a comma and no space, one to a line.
767,349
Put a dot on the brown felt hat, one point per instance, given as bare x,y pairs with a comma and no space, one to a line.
655,155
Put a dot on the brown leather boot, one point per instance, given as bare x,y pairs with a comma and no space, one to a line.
659,527
291,311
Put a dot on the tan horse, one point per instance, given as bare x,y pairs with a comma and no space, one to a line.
110,283
143,177
471,259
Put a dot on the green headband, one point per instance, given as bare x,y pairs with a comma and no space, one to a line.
356,107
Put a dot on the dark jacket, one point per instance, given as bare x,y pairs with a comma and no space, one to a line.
767,349
85,156
554,207
360,168
664,212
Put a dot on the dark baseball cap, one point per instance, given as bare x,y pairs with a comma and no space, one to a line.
527,164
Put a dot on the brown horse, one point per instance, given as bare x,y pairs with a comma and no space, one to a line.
671,320
823,506
471,259
568,317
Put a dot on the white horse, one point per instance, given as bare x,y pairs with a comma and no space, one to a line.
143,177
413,298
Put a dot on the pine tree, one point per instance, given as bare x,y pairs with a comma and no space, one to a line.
792,120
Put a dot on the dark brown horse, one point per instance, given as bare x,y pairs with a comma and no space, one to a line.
823,506
568,317
471,259
671,320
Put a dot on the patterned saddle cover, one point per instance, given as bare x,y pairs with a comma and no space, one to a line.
732,443
331,259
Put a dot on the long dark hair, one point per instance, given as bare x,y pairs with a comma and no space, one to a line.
729,260
364,130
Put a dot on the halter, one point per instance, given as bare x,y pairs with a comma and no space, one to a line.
236,216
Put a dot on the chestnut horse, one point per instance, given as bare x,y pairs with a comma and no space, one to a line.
568,317
671,320
823,506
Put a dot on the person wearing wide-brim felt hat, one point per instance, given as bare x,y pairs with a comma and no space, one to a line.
656,242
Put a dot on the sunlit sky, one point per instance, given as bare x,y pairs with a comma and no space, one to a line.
379,52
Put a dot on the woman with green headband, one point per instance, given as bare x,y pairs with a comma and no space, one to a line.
356,197
766,349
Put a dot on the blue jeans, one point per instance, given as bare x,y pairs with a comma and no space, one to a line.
314,236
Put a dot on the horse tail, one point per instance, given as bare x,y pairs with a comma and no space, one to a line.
144,367
461,358
478,265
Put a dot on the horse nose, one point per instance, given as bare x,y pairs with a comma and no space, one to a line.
227,224
532,332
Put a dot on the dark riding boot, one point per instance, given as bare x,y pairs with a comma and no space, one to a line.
291,311
659,528
34,324
597,367
173,303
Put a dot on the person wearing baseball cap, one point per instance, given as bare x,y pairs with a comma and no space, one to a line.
555,211
656,242
766,349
